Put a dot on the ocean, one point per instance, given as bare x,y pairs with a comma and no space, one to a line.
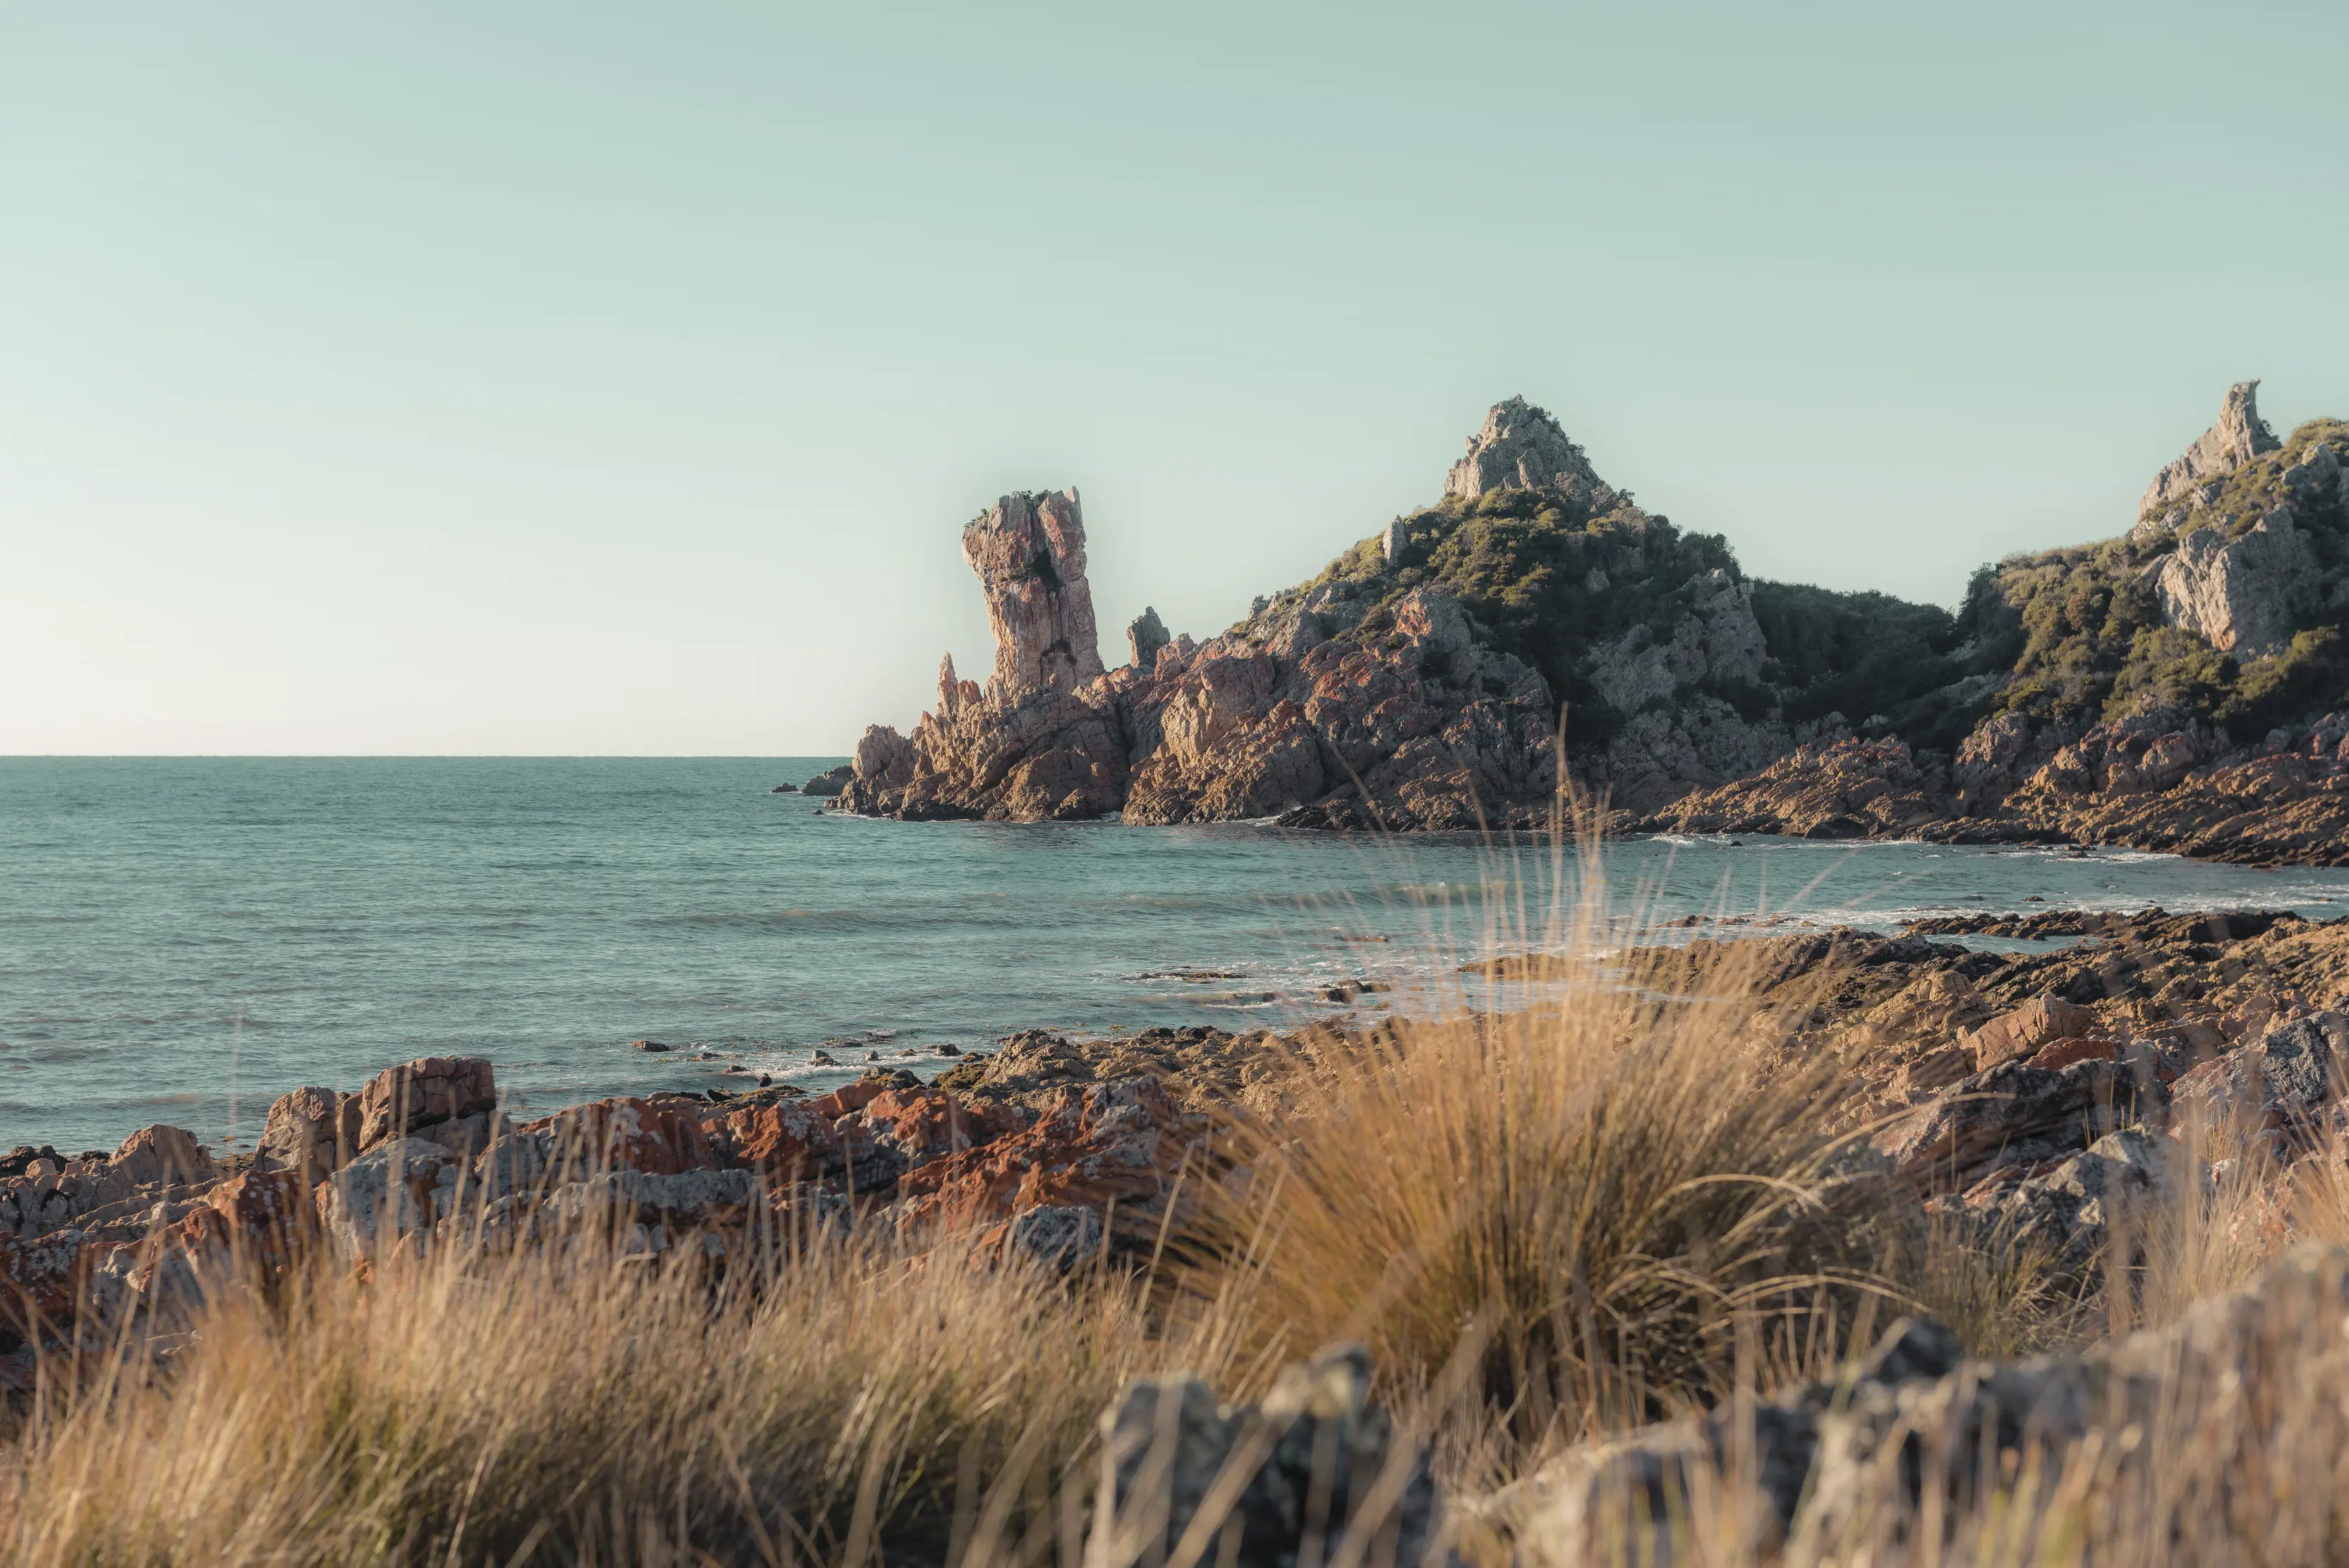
183,939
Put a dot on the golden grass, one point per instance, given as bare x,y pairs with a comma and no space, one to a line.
587,1407
1607,1185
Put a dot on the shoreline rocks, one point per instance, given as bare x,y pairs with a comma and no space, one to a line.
1068,1153
1535,630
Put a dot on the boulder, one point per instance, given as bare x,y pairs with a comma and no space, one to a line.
2015,1113
831,783
1120,1142
161,1154
2237,1401
311,1131
2012,1036
40,1280
2282,1082
393,1192
1626,1500
2069,1212
1315,1474
656,1137
399,1100
885,759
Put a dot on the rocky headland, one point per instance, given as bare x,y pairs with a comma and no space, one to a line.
2182,686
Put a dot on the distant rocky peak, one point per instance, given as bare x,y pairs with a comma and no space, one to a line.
1029,551
2234,438
1520,446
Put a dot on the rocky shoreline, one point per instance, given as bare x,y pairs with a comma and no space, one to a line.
2183,688
2005,1088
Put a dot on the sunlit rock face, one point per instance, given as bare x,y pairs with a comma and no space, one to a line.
1520,446
2234,438
1029,551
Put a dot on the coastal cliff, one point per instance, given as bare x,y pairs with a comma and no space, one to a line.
2182,686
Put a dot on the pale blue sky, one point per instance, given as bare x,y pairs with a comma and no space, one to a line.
581,378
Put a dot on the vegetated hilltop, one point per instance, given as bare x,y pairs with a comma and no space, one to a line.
2112,691
2180,686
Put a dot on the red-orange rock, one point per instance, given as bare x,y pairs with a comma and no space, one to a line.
786,1140
2086,1048
2012,1036
260,1217
419,1094
1118,1141
631,1134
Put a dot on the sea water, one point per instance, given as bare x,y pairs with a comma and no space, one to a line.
182,940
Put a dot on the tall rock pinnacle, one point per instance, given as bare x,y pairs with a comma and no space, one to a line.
1521,447
2237,436
1029,551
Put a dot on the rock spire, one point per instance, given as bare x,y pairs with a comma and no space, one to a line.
1520,446
1029,551
2234,438
1145,637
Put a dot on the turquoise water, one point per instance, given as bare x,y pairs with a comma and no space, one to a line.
183,939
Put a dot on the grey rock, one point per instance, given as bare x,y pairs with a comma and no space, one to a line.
311,1131
2071,1211
1315,1474
1520,446
396,1192
831,783
1400,541
2243,595
1145,635
2284,1080
1883,1457
1625,1493
1066,1237
2235,437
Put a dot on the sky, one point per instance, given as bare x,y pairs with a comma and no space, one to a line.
596,379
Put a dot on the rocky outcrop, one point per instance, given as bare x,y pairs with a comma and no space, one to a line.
1062,1152
1145,637
2234,438
1029,551
2243,596
1520,446
1837,789
1418,682
2151,1447
1377,696
2186,792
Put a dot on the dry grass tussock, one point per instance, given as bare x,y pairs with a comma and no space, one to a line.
1601,1208
588,1408
1608,1181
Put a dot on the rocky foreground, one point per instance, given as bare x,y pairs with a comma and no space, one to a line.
2184,687
2047,1100
1042,1146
